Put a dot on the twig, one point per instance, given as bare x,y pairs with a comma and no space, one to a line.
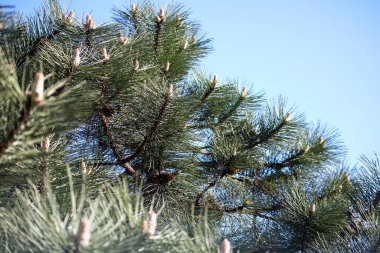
19,125
36,45
153,129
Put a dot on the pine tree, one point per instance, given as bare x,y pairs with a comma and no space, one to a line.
112,140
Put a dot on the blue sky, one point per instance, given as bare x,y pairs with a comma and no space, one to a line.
324,56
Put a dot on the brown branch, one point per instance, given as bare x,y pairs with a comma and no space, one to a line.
157,35
290,161
105,123
208,187
227,171
19,125
116,151
206,95
36,45
261,138
153,129
230,112
244,210
106,112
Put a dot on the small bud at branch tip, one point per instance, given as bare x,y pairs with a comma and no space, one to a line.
166,66
170,90
214,82
152,223
46,144
161,13
83,165
186,45
106,56
136,65
244,92
89,23
133,8
193,39
313,208
144,227
76,57
225,246
288,117
38,90
234,153
84,233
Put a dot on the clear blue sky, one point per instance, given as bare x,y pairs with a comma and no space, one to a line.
324,56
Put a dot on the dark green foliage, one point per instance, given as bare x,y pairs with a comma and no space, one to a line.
142,129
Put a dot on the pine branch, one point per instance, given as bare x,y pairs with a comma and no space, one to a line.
233,109
116,151
154,127
35,47
243,209
105,123
18,127
157,36
209,91
263,137
288,162
227,171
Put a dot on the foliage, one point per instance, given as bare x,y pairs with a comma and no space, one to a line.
124,106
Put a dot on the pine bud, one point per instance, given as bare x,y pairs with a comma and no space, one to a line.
161,13
243,92
170,90
234,152
76,57
45,144
288,117
83,166
340,188
186,44
322,142
136,65
225,246
346,178
193,39
38,89
89,23
144,227
133,8
106,56
84,233
166,66
152,223
70,18
214,82
63,17
313,207
307,148
178,21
